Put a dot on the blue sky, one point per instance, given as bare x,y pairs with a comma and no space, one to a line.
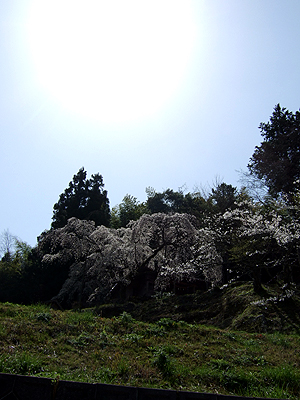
196,119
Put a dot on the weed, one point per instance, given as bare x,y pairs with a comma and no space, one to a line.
3,331
280,340
9,310
255,390
154,330
167,323
183,324
236,380
23,364
284,377
80,317
126,318
84,339
43,316
163,362
105,375
220,364
104,340
171,349
83,346
133,337
230,335
122,368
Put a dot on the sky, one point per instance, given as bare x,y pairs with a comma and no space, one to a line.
166,94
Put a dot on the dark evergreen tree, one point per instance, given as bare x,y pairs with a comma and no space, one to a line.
97,207
277,159
223,197
84,199
172,202
168,201
157,202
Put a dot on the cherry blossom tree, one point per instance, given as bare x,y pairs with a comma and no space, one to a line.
262,238
100,258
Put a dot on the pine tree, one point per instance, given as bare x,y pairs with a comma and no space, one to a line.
84,199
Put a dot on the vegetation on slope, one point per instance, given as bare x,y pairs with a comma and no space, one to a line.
235,307
165,351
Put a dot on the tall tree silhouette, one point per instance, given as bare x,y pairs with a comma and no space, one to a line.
277,159
84,199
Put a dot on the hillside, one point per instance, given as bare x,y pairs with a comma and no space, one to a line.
234,307
161,342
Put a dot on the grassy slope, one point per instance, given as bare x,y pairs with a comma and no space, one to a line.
235,307
154,347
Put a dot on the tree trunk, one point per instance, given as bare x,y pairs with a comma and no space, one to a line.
257,279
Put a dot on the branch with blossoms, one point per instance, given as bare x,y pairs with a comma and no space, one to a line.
101,258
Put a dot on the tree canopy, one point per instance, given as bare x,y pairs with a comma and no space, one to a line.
211,237
224,197
100,258
130,209
277,159
84,199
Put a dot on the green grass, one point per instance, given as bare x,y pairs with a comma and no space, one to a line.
236,307
83,346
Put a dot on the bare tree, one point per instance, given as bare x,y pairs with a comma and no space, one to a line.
7,243
256,188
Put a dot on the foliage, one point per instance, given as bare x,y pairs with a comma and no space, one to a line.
277,160
170,201
100,258
82,263
7,244
234,306
83,199
129,210
258,241
224,197
23,364
90,256
10,272
12,266
188,356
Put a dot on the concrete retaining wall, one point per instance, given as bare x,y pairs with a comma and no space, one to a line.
19,387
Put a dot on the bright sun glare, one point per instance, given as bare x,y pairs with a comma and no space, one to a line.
111,60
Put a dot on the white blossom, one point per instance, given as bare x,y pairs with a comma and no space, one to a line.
102,258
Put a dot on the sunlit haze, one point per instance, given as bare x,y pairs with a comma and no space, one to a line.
111,60
147,93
